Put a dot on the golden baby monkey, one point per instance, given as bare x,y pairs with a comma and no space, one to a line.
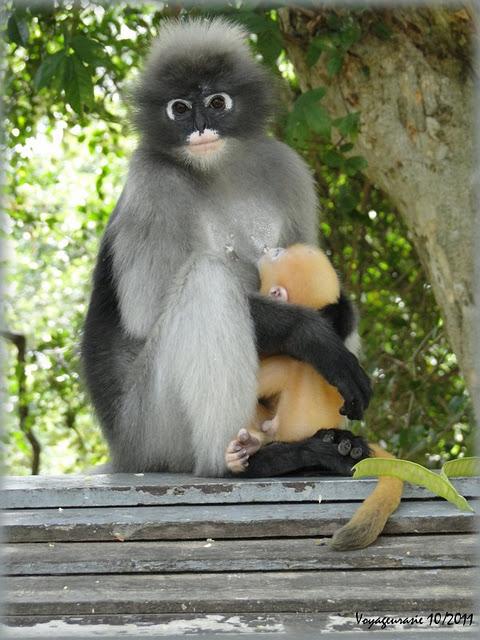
299,401
304,401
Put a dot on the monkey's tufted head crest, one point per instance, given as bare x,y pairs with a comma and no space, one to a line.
201,89
189,39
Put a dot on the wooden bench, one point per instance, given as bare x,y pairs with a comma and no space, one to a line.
152,555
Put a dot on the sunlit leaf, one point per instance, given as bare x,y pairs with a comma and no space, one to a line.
77,84
413,473
466,467
269,40
269,47
50,68
88,50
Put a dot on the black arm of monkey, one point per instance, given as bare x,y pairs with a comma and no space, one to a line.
341,315
303,334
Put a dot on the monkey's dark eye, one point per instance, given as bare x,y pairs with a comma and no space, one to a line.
177,108
218,102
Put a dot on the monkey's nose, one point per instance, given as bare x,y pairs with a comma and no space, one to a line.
200,123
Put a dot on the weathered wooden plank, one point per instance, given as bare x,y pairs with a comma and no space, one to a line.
300,592
20,492
223,625
219,521
278,554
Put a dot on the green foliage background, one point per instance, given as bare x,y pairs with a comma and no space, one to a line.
67,142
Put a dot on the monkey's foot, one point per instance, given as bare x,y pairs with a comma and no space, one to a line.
353,448
239,451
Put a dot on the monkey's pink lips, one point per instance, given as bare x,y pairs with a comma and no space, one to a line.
204,140
208,141
212,144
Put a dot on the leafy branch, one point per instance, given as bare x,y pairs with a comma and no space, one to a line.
20,343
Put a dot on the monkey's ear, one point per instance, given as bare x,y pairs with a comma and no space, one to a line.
280,293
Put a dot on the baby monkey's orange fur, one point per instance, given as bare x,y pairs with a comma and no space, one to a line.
303,401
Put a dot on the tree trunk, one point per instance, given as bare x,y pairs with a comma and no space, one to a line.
414,92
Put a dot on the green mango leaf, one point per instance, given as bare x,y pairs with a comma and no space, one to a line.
296,130
306,108
313,53
348,125
413,473
466,467
77,83
269,42
319,120
310,97
332,158
51,66
88,50
307,115
269,46
335,63
355,164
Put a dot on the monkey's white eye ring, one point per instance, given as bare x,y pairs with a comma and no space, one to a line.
177,107
219,102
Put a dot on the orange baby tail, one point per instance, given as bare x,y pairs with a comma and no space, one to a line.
368,521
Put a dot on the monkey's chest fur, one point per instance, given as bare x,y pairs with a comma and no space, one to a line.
241,228
231,215
234,229
248,216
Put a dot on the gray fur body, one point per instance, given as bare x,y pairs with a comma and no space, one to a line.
174,323
184,257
